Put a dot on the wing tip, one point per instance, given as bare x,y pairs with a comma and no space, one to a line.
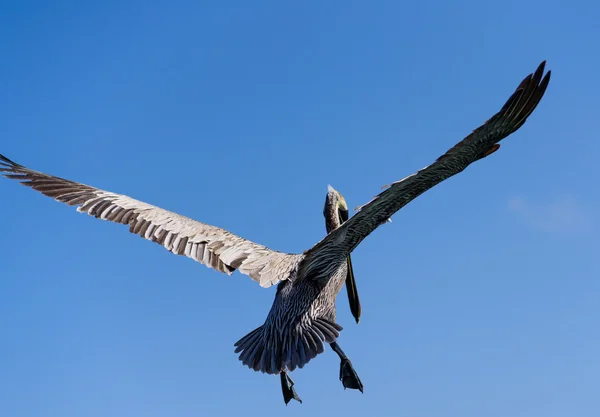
4,161
540,71
541,67
524,100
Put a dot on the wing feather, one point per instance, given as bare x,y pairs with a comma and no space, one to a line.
329,253
210,245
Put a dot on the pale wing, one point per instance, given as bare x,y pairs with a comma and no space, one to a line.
212,246
327,255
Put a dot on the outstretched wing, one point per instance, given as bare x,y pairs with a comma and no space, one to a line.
209,245
327,255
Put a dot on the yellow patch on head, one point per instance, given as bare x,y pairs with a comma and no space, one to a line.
342,202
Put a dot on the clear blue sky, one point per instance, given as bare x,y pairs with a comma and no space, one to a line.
479,300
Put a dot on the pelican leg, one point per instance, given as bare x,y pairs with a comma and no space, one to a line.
348,375
287,387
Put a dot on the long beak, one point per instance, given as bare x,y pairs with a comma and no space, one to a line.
353,299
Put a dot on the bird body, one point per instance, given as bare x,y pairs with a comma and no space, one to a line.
302,318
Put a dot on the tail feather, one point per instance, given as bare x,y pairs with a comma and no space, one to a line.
330,330
301,349
293,350
255,360
265,360
247,340
314,344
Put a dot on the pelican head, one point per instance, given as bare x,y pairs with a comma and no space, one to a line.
335,210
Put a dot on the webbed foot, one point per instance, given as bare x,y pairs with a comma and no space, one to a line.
287,388
349,377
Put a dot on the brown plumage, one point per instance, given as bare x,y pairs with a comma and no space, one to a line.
302,318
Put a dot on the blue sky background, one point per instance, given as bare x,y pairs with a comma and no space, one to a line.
480,299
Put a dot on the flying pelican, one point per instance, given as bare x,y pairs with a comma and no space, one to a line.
303,316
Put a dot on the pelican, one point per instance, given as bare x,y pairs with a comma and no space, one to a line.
302,319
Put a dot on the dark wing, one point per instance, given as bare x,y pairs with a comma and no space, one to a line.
209,245
327,255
